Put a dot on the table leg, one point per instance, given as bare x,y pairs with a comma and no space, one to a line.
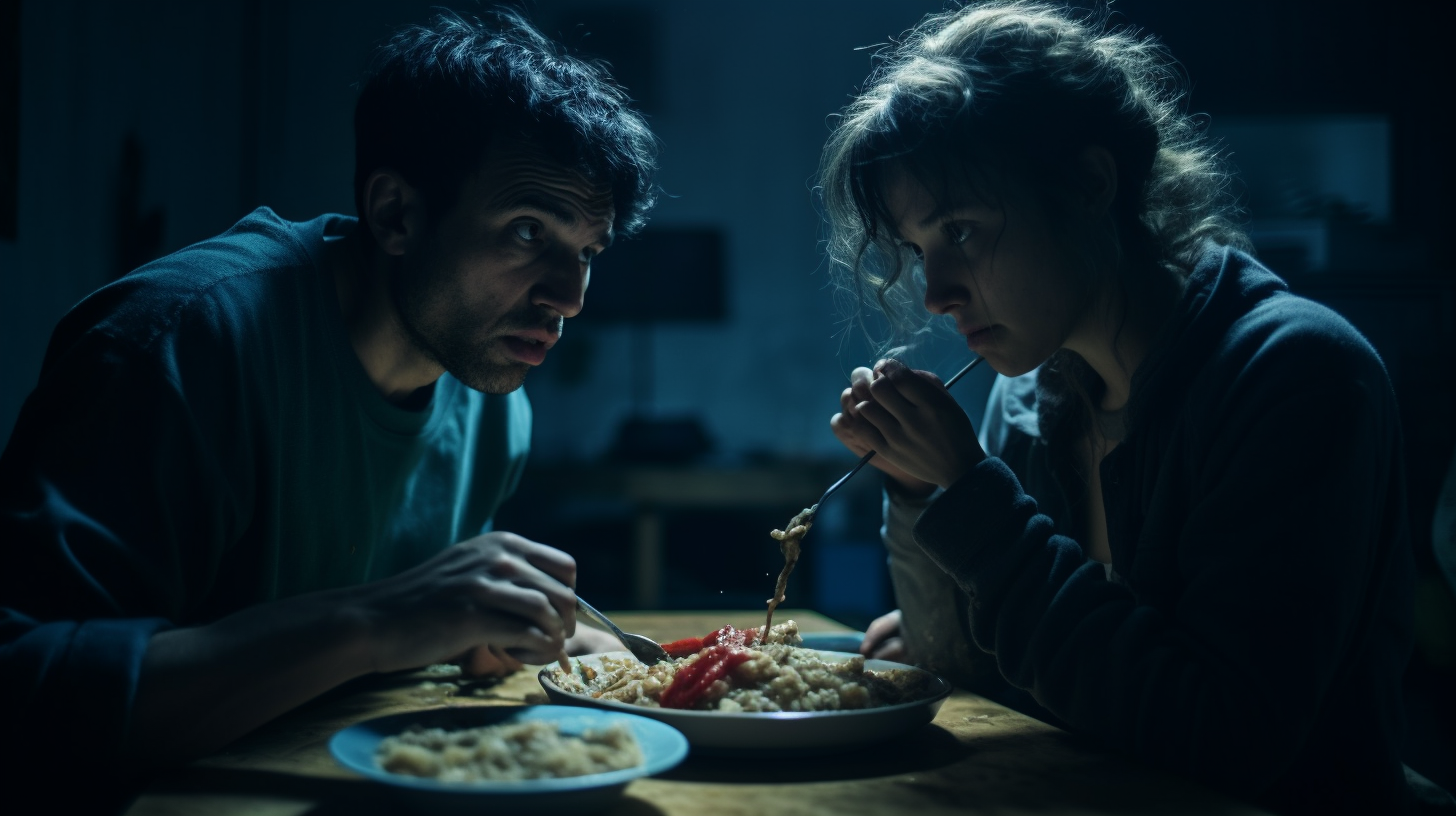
647,558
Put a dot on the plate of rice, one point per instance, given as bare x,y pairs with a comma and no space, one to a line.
739,694
546,758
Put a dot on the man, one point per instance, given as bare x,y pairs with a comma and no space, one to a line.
238,479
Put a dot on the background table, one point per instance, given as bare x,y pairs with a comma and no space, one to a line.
977,757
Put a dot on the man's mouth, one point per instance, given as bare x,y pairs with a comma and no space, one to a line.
530,346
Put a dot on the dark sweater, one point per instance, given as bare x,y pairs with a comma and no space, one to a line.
203,438
1259,620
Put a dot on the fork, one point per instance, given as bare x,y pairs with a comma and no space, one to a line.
808,514
643,648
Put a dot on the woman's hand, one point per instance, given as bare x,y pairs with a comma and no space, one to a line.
920,435
882,641
855,433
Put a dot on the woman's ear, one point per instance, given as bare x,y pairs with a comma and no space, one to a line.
392,211
1097,179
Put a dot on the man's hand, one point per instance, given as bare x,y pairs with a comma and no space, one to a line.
920,435
883,641
499,599
589,640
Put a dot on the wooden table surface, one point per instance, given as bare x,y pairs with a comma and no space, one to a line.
976,757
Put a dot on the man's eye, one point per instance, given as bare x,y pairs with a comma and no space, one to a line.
527,230
959,233
586,255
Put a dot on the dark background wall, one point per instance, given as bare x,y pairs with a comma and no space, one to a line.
130,130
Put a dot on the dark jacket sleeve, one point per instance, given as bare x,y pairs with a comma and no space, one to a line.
113,514
1276,546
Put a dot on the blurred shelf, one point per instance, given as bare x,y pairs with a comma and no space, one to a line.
652,489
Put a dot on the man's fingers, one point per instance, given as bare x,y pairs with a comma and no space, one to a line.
489,661
553,562
544,568
508,613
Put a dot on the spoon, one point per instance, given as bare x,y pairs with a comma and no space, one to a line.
643,648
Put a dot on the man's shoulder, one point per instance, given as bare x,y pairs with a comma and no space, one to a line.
257,266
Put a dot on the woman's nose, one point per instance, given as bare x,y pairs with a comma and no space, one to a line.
945,290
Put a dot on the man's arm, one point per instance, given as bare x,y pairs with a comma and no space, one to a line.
202,687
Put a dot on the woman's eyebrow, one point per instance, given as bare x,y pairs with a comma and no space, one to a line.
944,209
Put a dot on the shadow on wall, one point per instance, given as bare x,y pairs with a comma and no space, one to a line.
137,229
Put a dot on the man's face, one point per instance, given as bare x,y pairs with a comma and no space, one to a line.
487,287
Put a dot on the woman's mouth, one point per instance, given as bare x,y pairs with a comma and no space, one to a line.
979,337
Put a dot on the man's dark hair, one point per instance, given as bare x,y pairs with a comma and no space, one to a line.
437,97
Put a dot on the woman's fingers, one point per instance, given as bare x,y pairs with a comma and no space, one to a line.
891,649
887,393
880,630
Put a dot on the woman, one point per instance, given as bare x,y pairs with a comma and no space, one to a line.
1182,527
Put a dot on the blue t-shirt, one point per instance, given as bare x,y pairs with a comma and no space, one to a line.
204,438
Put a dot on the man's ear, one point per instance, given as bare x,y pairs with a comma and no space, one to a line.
1097,178
393,211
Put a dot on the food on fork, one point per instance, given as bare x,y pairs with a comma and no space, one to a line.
788,539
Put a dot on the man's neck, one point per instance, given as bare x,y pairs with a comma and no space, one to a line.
376,331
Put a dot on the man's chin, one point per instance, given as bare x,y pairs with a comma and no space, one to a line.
496,379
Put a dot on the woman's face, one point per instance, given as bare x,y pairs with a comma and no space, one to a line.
1007,278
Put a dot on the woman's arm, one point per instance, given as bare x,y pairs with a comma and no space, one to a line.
1264,563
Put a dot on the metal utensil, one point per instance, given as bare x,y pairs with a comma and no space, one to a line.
643,648
864,460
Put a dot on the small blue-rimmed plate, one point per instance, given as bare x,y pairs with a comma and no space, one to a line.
663,747
832,641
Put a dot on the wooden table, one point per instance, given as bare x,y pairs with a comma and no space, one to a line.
977,757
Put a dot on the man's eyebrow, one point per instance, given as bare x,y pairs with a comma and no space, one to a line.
549,204
555,207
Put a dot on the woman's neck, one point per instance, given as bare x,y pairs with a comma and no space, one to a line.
1121,328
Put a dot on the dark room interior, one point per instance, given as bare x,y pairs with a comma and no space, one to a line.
683,417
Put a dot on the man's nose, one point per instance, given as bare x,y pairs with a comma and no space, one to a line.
563,288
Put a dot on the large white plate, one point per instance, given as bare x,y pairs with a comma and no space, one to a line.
776,733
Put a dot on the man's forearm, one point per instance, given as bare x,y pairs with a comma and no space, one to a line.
202,687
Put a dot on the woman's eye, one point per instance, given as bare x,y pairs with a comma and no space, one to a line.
586,255
958,233
527,230
914,250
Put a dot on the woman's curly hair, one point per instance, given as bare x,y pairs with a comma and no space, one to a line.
1010,92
